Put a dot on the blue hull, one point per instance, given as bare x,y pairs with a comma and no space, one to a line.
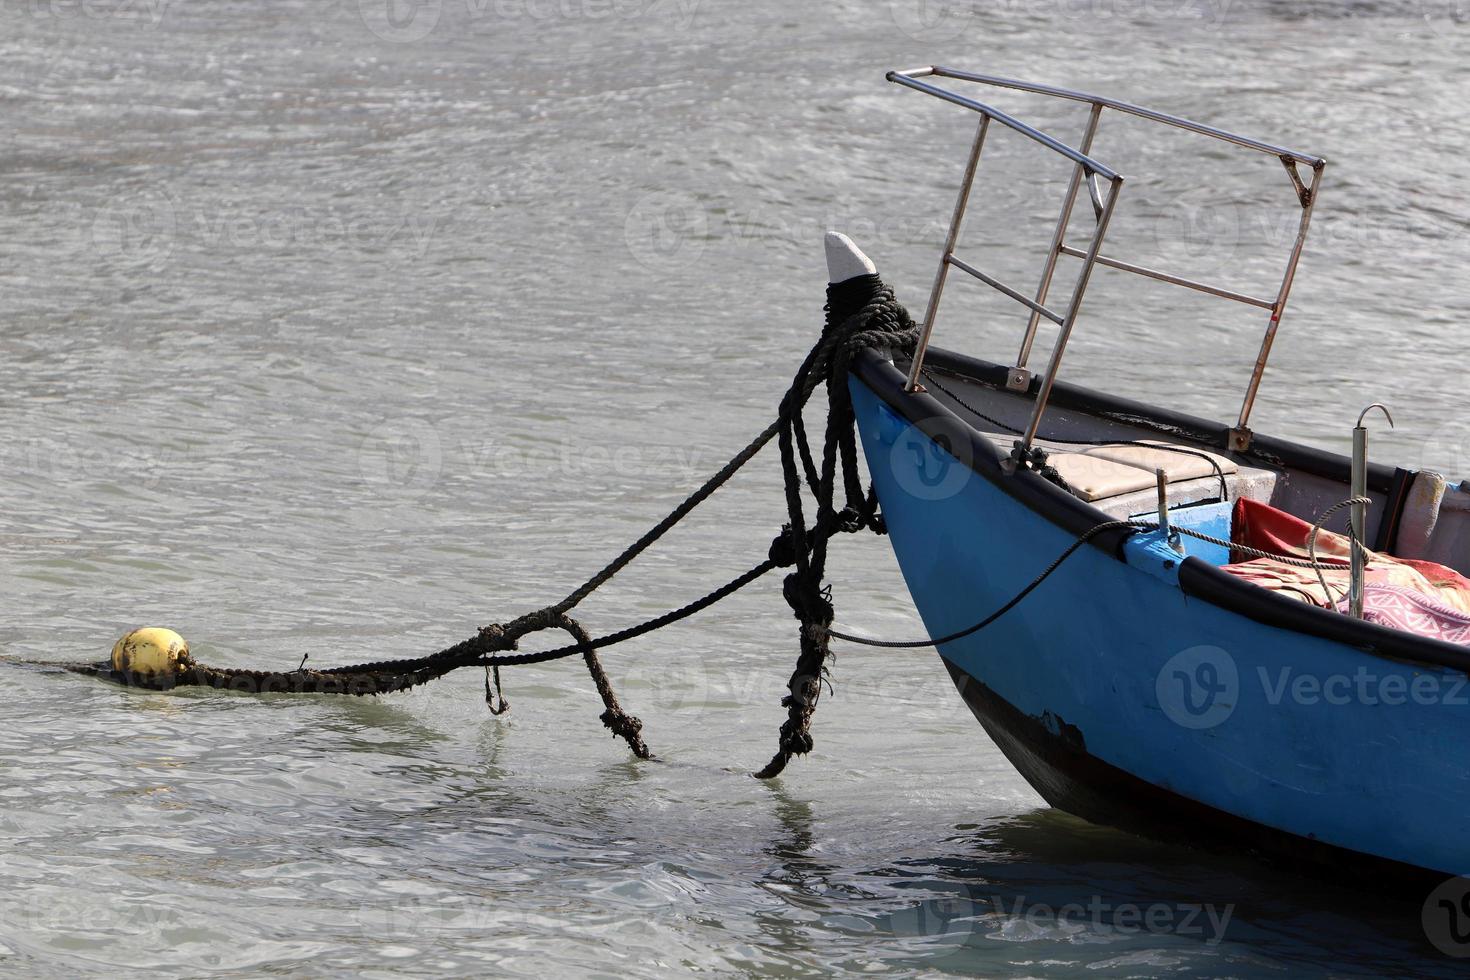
1125,699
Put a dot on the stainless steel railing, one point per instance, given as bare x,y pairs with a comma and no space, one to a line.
1086,172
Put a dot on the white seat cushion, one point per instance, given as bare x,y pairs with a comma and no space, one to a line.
1099,472
1095,478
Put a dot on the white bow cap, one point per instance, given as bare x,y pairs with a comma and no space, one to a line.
845,260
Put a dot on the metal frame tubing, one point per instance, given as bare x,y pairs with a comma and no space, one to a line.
1088,169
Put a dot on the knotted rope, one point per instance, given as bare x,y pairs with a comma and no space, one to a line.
879,321
860,313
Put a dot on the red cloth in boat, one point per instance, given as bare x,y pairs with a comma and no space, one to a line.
1261,526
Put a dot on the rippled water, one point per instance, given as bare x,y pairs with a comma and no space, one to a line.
340,329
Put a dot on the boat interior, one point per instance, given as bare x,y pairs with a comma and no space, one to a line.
1110,453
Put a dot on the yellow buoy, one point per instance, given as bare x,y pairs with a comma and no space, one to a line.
151,651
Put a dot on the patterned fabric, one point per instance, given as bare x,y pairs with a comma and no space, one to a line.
1420,597
1413,612
1382,570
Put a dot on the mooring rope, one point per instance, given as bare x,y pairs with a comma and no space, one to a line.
860,314
879,322
1086,536
1353,541
1010,604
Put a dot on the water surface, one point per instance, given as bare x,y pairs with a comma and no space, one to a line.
333,329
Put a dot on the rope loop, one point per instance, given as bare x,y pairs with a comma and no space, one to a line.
1035,458
860,314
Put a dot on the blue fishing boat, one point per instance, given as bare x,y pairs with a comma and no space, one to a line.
1249,643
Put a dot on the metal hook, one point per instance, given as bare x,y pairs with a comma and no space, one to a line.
1380,406
1358,515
